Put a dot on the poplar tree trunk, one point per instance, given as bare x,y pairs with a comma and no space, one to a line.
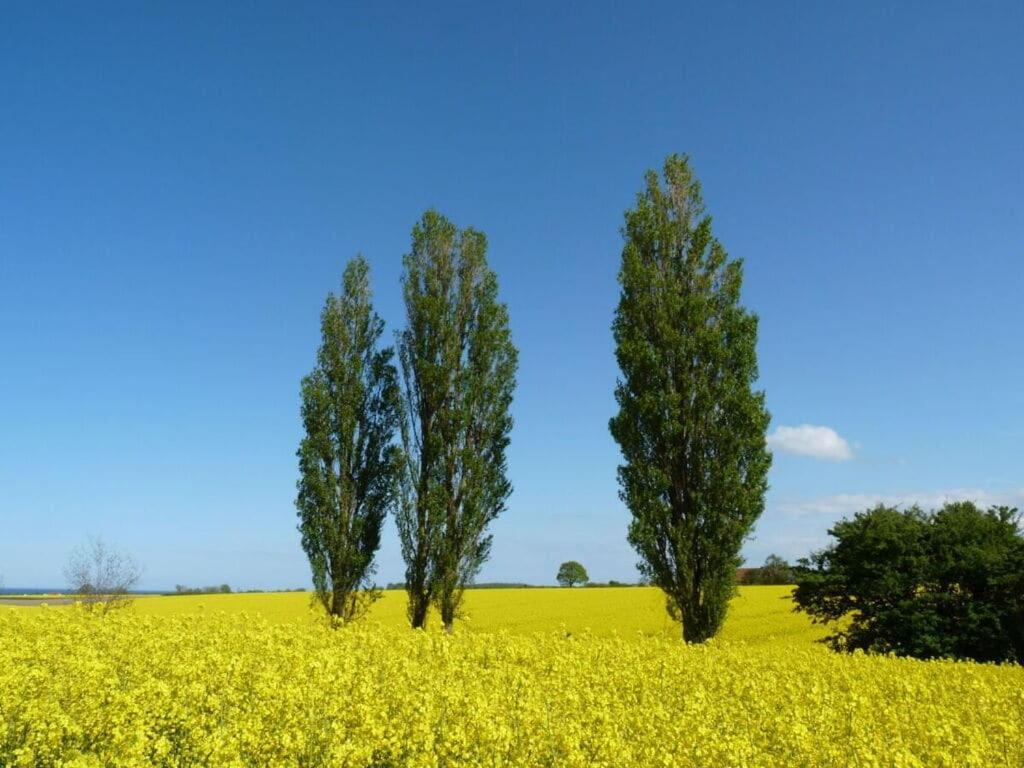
418,609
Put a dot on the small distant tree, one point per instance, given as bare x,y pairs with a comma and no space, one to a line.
347,463
691,426
101,577
774,571
571,573
225,589
943,584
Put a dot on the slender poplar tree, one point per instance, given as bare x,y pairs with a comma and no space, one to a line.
690,426
348,462
458,373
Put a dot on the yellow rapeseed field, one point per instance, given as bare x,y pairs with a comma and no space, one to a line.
257,681
758,614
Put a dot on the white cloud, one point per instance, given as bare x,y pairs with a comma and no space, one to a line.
793,527
846,504
809,440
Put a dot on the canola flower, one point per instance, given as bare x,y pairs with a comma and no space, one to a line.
221,689
758,615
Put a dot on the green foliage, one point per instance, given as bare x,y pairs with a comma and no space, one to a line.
774,571
458,374
945,584
347,463
571,573
690,427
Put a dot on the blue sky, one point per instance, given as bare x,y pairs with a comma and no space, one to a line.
181,185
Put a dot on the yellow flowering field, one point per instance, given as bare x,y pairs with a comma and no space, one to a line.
757,614
217,683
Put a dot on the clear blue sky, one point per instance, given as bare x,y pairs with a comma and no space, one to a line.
181,185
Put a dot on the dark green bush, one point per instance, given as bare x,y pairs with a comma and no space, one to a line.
943,584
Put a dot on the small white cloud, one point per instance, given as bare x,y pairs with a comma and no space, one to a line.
846,504
809,440
799,525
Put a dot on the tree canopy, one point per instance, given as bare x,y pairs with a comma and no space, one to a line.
347,462
458,375
571,573
690,425
774,571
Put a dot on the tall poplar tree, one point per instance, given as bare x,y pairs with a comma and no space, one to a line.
690,425
348,462
458,374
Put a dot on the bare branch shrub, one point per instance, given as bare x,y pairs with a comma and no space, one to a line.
101,577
